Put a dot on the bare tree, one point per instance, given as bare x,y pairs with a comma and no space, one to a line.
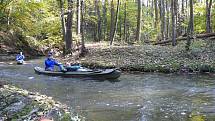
139,20
115,23
99,29
62,20
78,17
156,12
69,27
173,23
125,20
111,23
104,14
208,16
190,27
167,20
83,48
182,16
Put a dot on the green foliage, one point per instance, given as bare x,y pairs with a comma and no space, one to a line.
199,18
148,28
37,19
55,41
213,16
66,117
22,14
41,20
197,47
197,118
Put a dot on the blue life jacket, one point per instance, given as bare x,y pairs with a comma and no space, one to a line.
20,57
50,63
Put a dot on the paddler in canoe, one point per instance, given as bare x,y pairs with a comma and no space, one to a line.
75,70
50,62
20,58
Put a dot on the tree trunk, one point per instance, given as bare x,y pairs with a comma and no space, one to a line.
156,13
112,23
78,17
190,27
182,7
105,19
69,27
163,19
167,21
200,36
125,20
208,16
139,20
8,17
128,35
99,29
116,19
120,28
176,17
182,17
95,33
152,12
179,22
83,48
186,13
115,22
191,18
62,21
173,23
147,6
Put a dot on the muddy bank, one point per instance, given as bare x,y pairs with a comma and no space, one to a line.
11,43
18,104
7,57
150,58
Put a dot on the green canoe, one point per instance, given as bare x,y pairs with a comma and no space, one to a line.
99,74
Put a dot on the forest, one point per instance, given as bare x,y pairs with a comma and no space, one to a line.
68,26
159,54
126,22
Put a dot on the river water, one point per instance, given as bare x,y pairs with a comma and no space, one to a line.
134,97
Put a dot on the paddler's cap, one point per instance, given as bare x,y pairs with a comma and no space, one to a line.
50,54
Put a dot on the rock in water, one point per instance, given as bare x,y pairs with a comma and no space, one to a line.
2,84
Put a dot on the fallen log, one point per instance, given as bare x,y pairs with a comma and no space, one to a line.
185,38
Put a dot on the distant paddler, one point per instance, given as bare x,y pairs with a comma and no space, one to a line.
20,58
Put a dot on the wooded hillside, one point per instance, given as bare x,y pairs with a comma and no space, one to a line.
56,23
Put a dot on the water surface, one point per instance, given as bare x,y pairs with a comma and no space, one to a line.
134,97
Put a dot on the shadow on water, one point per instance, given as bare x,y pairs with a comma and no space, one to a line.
109,80
132,97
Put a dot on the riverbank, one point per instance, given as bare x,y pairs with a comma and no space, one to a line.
150,58
11,43
18,104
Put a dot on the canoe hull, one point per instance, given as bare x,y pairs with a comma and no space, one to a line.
106,74
20,62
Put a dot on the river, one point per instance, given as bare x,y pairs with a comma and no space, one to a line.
134,97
